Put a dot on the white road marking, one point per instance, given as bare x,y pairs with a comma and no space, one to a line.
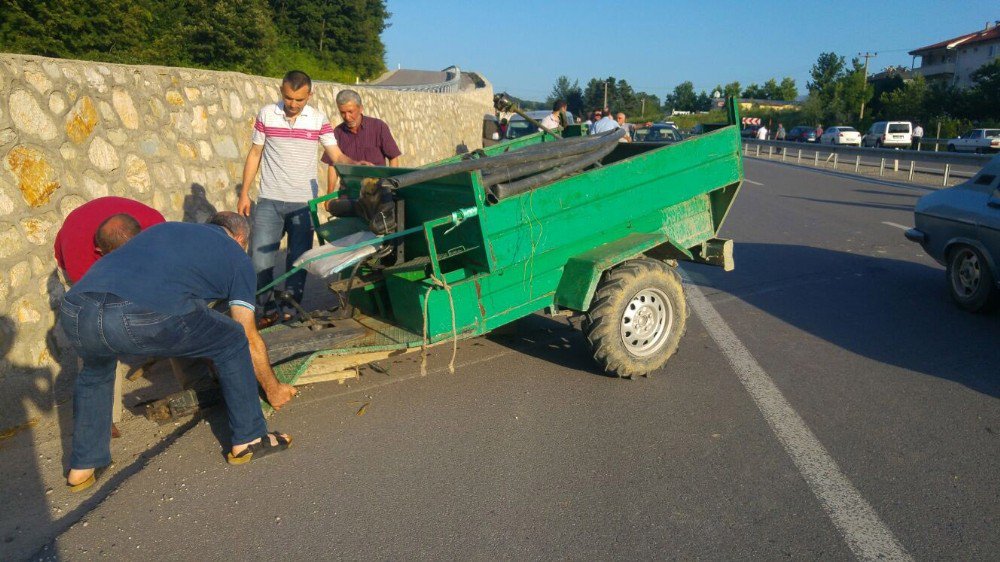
899,226
865,533
752,182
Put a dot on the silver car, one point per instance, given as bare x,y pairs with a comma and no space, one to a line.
960,228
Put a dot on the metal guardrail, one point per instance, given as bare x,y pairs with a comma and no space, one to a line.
947,164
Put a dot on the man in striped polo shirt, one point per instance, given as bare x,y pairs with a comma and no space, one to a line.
284,150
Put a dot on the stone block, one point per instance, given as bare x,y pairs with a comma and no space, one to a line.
107,112
136,174
25,312
69,204
37,78
204,150
6,203
174,98
20,275
187,151
125,108
29,118
38,230
35,178
102,155
4,292
10,241
225,146
199,120
57,103
235,106
118,137
68,152
81,120
7,136
94,185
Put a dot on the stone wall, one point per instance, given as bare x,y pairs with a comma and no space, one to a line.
172,138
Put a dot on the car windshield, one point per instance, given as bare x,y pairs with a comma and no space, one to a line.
517,128
899,128
846,129
993,133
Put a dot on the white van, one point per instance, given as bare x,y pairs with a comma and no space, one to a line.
889,134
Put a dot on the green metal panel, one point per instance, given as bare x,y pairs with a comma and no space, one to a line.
581,274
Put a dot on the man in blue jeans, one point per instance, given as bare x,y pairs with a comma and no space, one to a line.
150,297
284,151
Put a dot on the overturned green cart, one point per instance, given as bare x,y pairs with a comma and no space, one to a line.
552,221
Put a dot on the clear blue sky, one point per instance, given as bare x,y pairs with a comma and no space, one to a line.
522,46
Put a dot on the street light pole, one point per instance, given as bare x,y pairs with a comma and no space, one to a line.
605,95
867,56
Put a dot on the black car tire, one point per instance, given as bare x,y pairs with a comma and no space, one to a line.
951,148
970,281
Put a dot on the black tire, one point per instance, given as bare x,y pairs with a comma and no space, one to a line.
970,281
951,148
640,292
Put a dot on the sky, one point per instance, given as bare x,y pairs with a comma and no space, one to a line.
521,46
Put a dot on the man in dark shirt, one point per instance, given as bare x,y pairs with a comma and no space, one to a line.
150,297
361,137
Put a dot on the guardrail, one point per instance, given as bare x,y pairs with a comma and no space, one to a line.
947,164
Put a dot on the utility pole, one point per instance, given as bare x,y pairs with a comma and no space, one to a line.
605,94
643,111
867,56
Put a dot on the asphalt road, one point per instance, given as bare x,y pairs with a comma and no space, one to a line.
827,401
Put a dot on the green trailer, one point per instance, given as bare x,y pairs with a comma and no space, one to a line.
465,258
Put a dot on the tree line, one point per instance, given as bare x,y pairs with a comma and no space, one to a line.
333,40
644,106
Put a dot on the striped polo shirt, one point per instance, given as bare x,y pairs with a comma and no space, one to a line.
288,164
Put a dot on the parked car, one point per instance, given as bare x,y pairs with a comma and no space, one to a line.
960,228
842,135
657,132
889,134
976,140
517,127
802,133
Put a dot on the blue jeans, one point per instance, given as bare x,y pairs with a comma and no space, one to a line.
102,326
271,220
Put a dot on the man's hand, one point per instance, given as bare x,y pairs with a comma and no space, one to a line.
280,394
243,205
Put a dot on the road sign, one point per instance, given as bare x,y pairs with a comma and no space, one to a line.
751,120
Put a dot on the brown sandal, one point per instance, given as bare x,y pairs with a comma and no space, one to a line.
260,449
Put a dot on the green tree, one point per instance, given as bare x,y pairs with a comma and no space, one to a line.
907,102
851,90
984,96
228,34
568,92
732,89
771,90
683,98
825,73
787,90
753,92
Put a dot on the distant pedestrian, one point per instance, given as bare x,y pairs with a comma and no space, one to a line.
620,119
556,119
604,124
819,132
780,133
918,135
762,133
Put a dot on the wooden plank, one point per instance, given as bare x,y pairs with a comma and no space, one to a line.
342,367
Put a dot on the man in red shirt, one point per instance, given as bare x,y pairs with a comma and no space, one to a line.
78,246
75,247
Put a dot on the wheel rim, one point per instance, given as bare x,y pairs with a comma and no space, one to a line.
647,322
967,274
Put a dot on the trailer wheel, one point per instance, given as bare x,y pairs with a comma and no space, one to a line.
637,318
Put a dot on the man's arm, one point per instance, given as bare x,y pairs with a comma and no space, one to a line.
249,175
335,155
277,392
394,162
